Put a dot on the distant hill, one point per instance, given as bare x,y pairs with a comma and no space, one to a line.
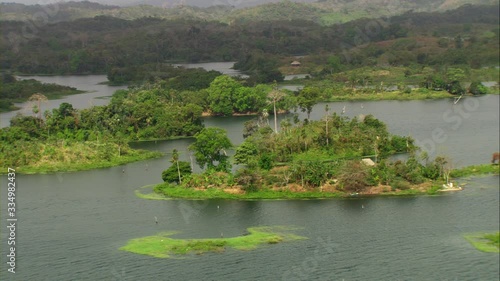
324,12
464,36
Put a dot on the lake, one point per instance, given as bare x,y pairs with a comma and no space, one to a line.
71,225
96,93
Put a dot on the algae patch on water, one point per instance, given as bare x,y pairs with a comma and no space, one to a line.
485,242
162,245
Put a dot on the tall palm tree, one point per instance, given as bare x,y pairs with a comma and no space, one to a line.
275,96
175,159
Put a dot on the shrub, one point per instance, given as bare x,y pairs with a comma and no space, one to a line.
266,161
400,184
354,176
172,173
248,179
476,88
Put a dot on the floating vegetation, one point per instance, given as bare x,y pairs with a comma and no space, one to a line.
485,242
162,245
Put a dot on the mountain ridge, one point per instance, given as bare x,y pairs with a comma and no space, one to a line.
325,12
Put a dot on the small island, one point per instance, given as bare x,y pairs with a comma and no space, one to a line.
162,245
15,90
333,157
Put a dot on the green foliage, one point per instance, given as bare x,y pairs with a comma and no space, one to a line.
209,149
162,246
133,114
353,176
221,92
249,179
485,242
14,90
171,174
266,161
476,88
246,153
400,184
475,170
307,98
104,44
171,77
209,179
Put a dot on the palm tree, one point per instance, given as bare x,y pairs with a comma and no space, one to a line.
175,159
275,96
326,123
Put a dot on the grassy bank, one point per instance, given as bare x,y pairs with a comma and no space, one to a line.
476,170
393,95
170,191
167,191
39,158
73,167
163,246
485,242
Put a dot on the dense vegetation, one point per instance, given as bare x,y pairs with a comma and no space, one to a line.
314,158
15,90
465,36
176,78
326,12
101,133
436,51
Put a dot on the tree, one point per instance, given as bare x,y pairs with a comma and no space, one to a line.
326,123
307,99
275,96
175,173
38,98
175,159
221,94
455,77
246,153
209,149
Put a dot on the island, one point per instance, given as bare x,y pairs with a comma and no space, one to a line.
15,90
333,157
162,245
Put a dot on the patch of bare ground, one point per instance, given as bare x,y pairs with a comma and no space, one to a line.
234,190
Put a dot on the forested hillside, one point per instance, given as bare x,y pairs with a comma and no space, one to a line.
468,35
325,12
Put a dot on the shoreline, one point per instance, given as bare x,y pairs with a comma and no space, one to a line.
77,167
164,191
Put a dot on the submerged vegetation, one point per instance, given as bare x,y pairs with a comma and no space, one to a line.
485,242
163,246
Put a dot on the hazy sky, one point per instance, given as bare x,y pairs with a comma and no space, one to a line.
165,3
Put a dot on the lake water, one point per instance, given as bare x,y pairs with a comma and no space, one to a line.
71,225
96,93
